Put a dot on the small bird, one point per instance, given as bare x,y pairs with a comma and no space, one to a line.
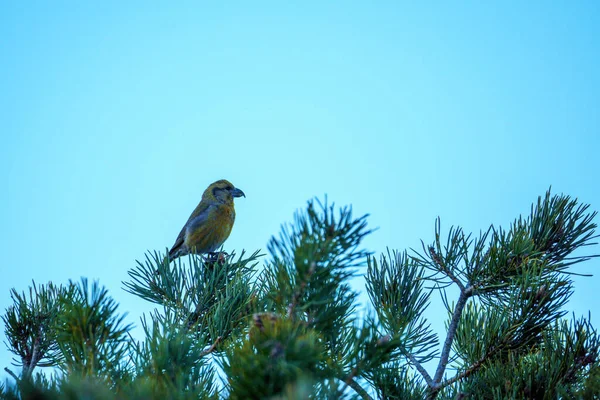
211,222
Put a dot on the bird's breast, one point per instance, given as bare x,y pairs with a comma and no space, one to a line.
210,234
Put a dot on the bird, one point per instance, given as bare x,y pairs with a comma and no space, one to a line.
210,223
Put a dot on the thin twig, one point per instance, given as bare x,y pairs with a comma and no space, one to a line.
460,305
420,368
212,346
357,388
34,357
471,369
300,291
444,268
349,381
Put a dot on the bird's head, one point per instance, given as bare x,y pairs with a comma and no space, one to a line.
222,191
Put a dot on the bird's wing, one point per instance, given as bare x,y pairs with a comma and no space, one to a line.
178,243
200,214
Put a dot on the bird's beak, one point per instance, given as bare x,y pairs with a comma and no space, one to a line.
237,193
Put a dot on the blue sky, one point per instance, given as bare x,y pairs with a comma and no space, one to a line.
115,117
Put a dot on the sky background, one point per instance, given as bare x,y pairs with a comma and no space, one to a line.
115,117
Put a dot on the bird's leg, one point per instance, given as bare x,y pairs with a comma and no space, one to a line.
222,256
211,257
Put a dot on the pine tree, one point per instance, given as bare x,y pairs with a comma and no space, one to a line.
287,325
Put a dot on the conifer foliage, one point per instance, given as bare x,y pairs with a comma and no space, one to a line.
290,326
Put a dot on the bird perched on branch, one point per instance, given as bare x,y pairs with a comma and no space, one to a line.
210,223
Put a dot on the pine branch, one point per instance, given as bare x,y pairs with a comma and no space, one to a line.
460,305
473,368
30,325
357,388
444,268
349,379
212,346
35,356
420,368
300,291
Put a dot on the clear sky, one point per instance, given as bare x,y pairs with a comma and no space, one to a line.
115,116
